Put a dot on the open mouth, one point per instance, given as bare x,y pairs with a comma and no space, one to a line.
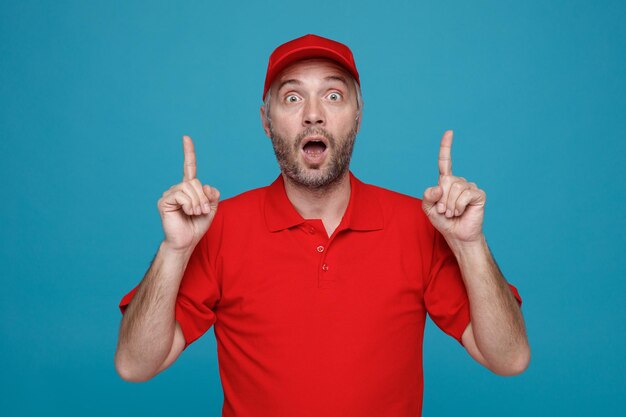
314,147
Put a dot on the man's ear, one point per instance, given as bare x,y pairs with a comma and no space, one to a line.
266,125
359,116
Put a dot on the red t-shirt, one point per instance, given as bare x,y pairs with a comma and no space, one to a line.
311,325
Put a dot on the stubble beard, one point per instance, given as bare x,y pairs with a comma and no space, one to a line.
314,177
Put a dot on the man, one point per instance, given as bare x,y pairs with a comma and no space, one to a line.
318,285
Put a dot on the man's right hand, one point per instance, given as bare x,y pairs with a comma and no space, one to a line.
187,209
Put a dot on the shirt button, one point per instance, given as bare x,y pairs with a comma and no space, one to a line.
320,249
311,230
324,267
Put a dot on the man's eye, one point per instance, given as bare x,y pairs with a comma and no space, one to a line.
292,98
334,96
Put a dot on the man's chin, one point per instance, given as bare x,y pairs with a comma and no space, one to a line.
313,168
314,179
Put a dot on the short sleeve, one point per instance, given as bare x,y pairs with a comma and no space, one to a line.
445,296
197,297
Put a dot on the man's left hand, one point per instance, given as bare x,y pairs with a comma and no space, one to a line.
455,206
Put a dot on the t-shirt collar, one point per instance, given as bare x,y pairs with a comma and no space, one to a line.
363,212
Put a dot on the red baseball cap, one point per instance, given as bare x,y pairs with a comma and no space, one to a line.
307,47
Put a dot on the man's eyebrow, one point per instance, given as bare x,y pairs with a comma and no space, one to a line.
337,78
298,82
290,81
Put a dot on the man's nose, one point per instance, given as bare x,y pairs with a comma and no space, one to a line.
313,113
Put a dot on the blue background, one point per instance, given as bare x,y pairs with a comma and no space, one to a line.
95,97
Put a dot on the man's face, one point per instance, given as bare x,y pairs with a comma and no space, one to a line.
313,121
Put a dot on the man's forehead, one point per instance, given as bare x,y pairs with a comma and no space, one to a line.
317,67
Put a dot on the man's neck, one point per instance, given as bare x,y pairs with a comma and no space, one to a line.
328,204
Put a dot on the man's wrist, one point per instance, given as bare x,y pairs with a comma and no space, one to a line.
469,249
182,254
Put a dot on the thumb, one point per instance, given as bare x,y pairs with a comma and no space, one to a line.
212,194
431,197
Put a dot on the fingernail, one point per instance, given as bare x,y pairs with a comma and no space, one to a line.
448,213
440,208
207,208
457,213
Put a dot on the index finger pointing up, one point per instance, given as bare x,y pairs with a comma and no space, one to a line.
445,160
189,163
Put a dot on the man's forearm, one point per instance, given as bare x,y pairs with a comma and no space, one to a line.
147,328
497,321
